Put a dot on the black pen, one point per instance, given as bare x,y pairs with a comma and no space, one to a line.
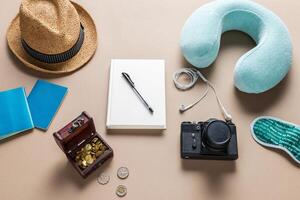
131,83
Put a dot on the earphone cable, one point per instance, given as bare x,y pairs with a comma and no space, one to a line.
194,75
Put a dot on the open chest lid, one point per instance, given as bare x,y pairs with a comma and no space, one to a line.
75,133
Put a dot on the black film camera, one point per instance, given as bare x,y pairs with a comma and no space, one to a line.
213,140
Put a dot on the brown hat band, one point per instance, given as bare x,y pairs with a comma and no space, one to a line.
56,58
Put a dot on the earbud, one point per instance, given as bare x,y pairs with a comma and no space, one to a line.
182,108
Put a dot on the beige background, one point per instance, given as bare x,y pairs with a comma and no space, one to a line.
33,167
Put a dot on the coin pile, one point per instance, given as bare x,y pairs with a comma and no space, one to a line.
89,153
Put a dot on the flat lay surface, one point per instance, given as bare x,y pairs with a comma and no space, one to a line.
33,167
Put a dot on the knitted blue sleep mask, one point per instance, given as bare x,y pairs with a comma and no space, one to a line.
262,67
276,133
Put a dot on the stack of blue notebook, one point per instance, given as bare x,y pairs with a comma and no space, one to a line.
19,113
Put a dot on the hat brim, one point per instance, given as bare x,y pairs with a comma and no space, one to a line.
79,60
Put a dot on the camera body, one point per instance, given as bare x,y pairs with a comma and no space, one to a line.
211,140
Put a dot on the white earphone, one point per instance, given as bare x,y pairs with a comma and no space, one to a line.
194,75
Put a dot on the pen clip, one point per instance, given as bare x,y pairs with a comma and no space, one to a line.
127,77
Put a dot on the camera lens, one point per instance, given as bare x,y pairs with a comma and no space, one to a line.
217,134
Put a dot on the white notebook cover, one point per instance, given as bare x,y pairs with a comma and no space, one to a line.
125,109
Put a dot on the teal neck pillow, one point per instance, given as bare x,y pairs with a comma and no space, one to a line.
258,70
277,133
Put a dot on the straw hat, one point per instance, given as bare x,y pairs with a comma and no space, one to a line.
52,36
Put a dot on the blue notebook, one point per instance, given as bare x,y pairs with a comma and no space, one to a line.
44,100
14,113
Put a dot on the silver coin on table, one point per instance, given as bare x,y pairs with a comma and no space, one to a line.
121,190
123,172
103,179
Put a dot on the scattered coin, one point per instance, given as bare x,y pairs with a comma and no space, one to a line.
121,191
123,172
103,179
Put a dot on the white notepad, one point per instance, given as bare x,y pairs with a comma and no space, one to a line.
125,109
